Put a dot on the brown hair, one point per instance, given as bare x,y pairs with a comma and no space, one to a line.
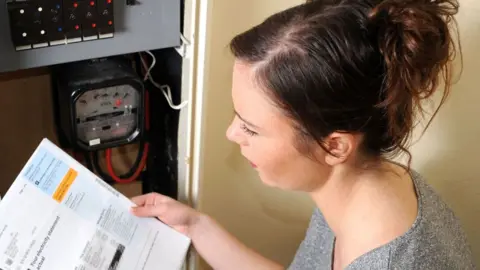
357,66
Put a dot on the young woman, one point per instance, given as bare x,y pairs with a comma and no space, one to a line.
324,94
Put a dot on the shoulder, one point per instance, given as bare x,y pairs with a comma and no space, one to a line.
434,215
436,240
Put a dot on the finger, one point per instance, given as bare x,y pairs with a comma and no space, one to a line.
150,198
140,200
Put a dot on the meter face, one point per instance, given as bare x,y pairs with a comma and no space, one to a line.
107,114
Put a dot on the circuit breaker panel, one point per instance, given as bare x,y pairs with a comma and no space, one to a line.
43,23
37,33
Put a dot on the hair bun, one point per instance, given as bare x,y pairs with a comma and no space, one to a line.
414,39
413,28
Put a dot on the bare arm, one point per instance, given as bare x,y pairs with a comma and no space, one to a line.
217,247
221,250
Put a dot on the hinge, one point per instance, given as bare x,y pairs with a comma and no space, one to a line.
187,160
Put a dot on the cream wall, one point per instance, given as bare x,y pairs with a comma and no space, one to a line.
272,221
267,220
448,154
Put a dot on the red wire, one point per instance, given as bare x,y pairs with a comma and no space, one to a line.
134,177
143,161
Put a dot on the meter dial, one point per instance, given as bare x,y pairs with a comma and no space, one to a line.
107,114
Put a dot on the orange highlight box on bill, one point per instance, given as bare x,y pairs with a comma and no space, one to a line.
64,186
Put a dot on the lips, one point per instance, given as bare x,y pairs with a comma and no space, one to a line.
251,163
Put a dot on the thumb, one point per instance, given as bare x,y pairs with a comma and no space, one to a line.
148,210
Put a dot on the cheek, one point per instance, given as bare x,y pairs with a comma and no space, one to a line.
284,167
271,157
281,168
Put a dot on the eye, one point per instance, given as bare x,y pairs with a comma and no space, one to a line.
247,130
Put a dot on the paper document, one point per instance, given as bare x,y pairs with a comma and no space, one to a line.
57,215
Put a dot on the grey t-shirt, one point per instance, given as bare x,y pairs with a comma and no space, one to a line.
435,241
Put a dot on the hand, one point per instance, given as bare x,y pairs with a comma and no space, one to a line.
215,245
172,212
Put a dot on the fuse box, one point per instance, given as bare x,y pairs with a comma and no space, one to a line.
42,23
38,33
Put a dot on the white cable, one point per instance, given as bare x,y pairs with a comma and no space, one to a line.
148,70
184,39
167,93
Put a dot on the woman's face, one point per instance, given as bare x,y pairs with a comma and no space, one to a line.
267,138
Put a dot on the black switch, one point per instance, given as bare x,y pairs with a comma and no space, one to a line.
131,2
40,34
22,36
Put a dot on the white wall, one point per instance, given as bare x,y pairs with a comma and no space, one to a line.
273,222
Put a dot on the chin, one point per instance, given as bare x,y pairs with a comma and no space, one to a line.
268,181
274,183
283,185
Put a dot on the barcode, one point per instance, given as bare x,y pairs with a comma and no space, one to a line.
107,186
9,262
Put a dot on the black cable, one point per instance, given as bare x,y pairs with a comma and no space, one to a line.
88,160
99,170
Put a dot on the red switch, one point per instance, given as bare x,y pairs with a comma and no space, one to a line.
109,1
92,3
75,5
77,27
110,22
118,102
94,25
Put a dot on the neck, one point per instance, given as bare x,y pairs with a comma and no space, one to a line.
366,208
344,194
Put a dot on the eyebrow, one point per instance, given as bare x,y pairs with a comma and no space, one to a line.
246,121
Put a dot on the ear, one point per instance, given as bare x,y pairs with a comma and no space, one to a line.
341,146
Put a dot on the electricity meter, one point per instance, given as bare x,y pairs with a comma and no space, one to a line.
100,103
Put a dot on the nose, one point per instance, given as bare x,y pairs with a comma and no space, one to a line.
234,133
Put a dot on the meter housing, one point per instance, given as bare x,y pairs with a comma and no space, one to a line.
100,103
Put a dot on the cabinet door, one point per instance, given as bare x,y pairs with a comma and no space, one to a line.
223,183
